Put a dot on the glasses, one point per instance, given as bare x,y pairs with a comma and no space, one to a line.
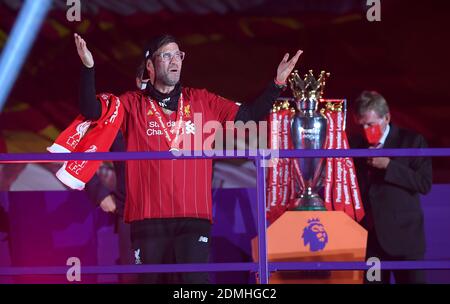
168,56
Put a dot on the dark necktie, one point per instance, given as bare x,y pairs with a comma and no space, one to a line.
371,170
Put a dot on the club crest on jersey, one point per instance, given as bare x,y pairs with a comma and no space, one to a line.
187,111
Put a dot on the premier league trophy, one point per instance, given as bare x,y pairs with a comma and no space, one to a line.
309,131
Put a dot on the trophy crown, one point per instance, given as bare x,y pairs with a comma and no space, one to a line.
314,221
309,87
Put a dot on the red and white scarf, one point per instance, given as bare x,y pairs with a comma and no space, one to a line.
88,136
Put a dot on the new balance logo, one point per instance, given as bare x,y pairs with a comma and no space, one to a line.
163,103
137,258
203,239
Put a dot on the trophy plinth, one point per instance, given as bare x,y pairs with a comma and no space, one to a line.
309,131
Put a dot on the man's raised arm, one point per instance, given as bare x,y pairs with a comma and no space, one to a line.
89,106
263,104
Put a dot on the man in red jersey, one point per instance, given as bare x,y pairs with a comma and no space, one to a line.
168,202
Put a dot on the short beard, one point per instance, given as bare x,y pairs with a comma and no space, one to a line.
168,81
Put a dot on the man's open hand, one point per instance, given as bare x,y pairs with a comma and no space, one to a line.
286,66
83,51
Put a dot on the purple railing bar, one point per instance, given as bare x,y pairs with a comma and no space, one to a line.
263,270
223,267
10,271
112,156
246,154
432,152
278,266
209,267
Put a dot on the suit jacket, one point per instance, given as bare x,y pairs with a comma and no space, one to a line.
391,196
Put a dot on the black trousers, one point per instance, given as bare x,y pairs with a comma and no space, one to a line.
172,241
374,249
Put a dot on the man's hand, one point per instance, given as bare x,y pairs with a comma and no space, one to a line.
83,52
378,162
285,67
108,204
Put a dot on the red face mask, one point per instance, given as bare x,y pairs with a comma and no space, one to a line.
373,134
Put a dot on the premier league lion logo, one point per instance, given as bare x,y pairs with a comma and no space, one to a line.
315,235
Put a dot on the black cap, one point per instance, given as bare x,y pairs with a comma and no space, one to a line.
158,42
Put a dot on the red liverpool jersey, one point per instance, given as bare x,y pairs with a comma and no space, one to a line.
170,188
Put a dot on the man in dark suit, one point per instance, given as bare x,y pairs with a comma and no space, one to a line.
390,189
